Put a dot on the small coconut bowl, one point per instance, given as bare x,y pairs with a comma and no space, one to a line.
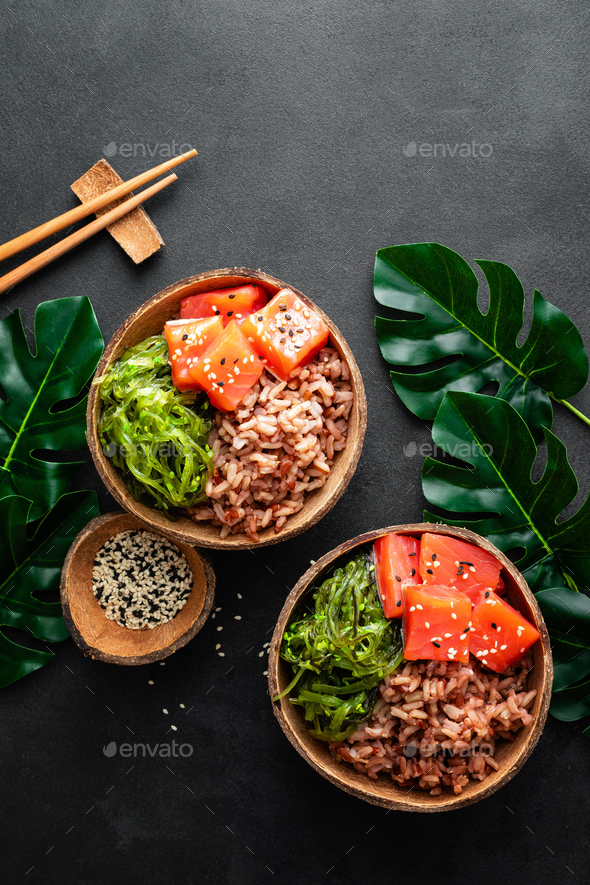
384,791
105,640
149,320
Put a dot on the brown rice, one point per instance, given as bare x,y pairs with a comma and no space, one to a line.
435,724
277,446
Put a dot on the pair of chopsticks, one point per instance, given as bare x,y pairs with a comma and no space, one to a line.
73,215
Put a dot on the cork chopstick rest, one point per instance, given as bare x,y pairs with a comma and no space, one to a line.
135,232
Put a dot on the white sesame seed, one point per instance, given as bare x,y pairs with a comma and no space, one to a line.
419,607
221,654
218,646
412,608
454,616
220,628
265,673
165,711
174,728
150,681
181,706
237,617
239,595
427,625
503,647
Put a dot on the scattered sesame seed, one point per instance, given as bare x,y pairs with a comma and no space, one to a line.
174,728
239,595
237,617
219,628
150,681
165,711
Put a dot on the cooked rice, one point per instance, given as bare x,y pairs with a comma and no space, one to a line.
277,447
436,724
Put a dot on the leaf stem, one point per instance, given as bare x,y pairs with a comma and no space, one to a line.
573,409
570,581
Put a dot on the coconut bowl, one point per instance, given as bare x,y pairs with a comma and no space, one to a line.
149,320
384,791
105,640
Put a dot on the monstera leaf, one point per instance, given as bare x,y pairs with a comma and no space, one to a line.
32,565
435,283
567,615
519,515
33,418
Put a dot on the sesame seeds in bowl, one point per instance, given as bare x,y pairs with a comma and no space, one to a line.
124,571
141,580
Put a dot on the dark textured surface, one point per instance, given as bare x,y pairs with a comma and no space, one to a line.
300,116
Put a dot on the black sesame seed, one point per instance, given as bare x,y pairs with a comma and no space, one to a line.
233,295
236,359
397,578
184,337
433,556
260,357
282,330
287,316
494,626
223,362
299,331
464,562
221,383
398,603
229,313
429,570
291,333
487,594
282,307
437,644
260,319
413,572
217,312
411,554
282,341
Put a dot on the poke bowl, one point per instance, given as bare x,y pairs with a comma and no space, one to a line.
384,690
254,381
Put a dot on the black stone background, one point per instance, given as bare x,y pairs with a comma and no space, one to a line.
300,115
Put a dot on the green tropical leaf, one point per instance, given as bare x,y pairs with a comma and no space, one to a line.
32,565
68,345
435,283
520,516
567,615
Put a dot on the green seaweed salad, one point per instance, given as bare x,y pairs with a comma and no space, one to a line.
155,435
341,651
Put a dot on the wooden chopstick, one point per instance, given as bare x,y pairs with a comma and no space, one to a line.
73,215
43,258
